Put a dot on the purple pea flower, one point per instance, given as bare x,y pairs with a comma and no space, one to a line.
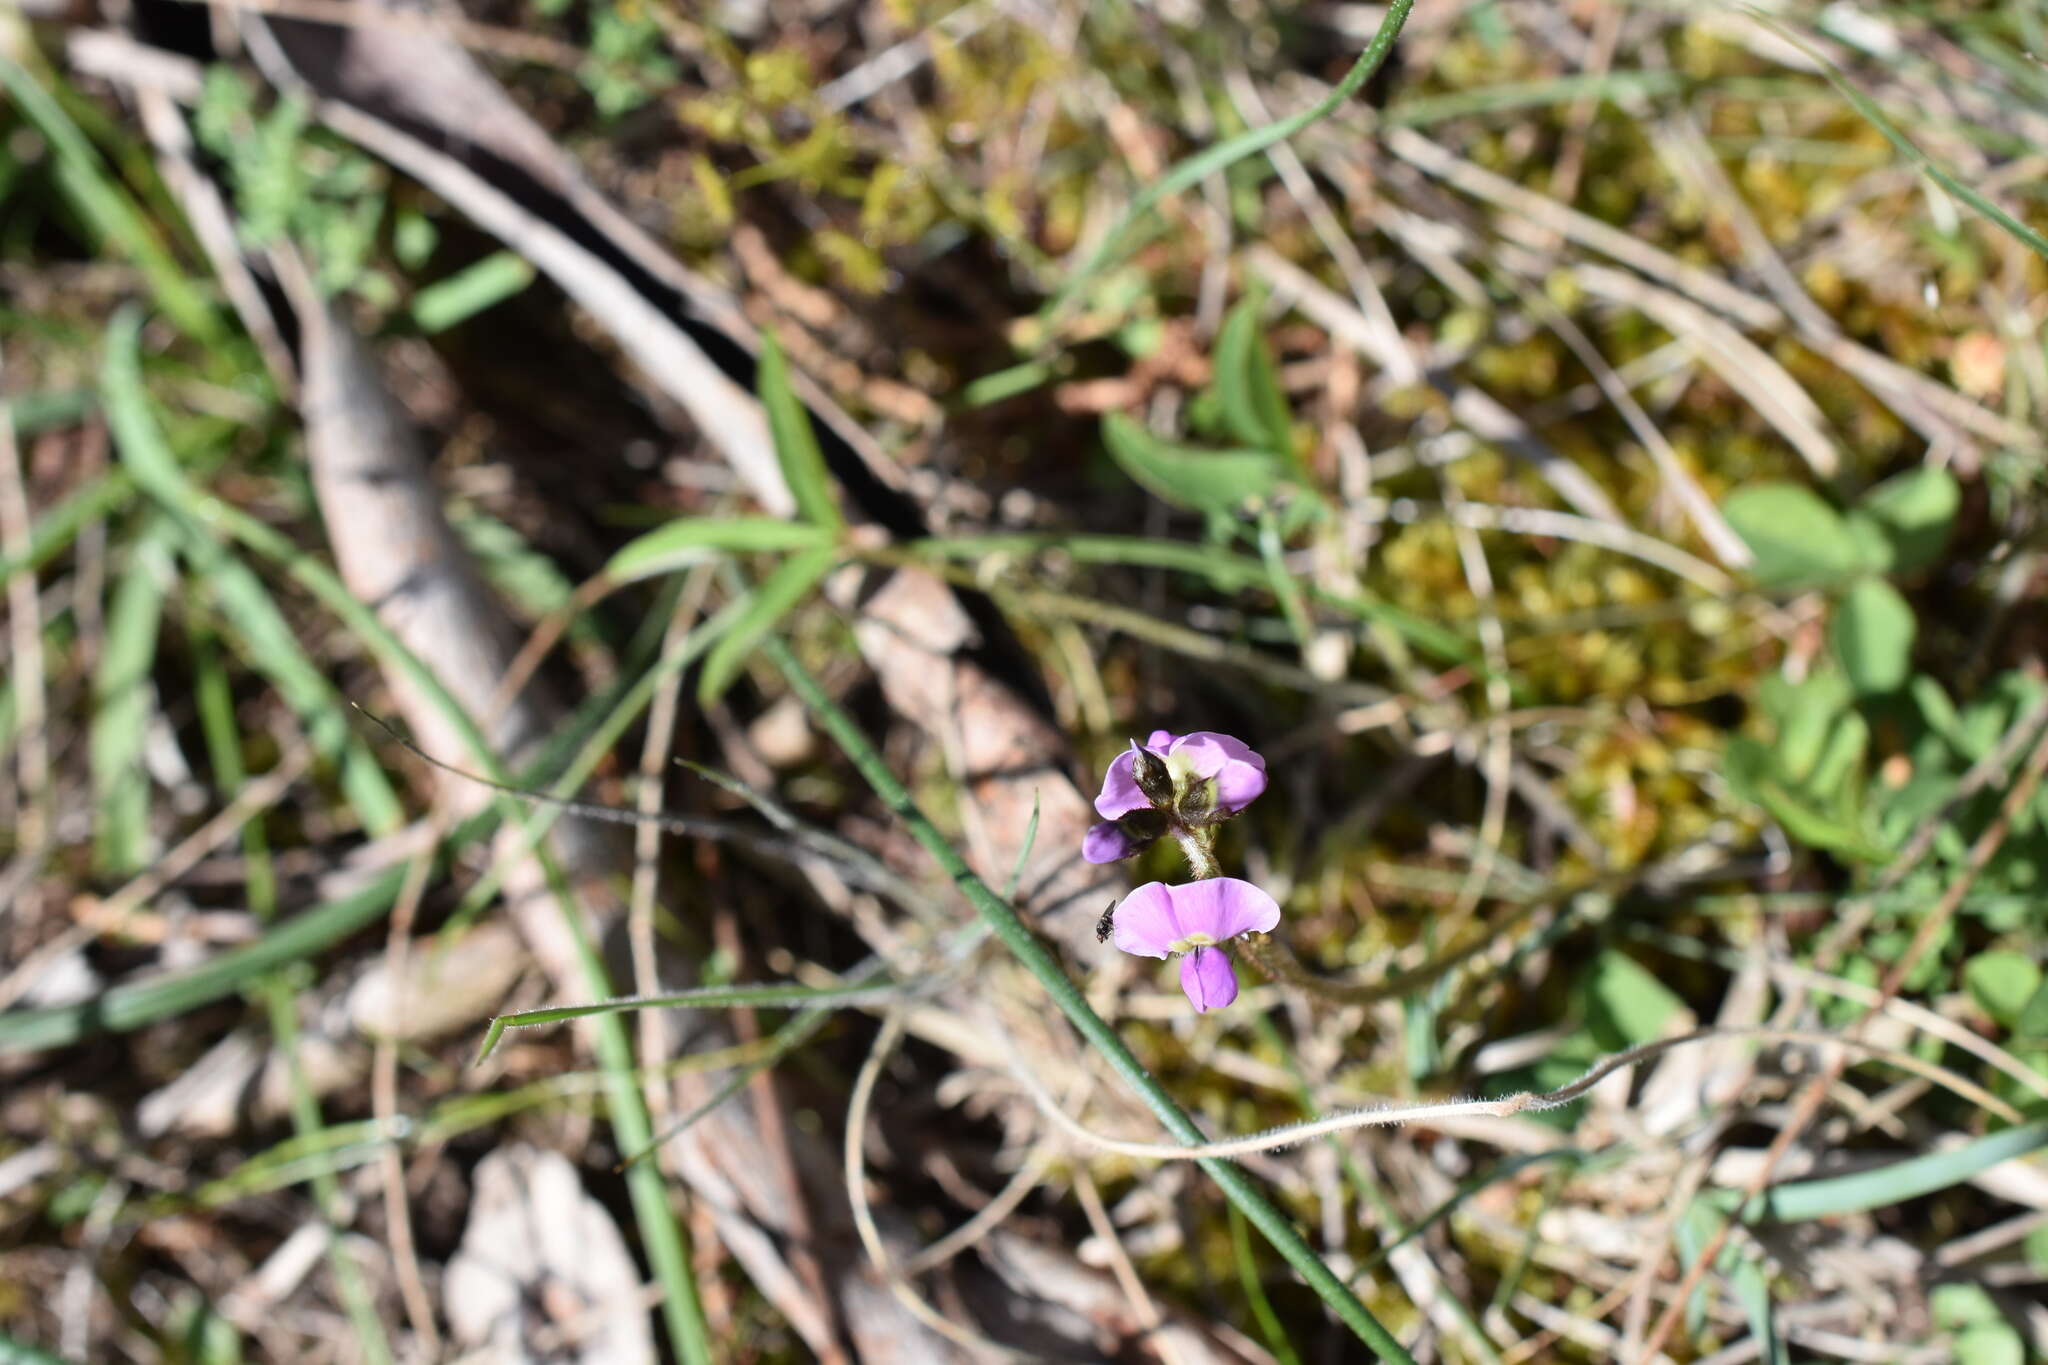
1195,918
1213,777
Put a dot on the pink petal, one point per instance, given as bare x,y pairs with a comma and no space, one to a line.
1238,785
1108,843
1162,740
1223,908
1239,770
1145,922
1206,976
1120,794
1209,751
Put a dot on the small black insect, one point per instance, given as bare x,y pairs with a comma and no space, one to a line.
1103,925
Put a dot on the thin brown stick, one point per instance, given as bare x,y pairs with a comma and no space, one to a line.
1808,1106
1142,1308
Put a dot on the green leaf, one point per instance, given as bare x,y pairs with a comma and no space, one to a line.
1797,539
1988,1343
2003,983
2033,1016
1872,635
1937,712
1915,511
692,540
1750,767
1887,1185
1982,1336
1200,480
796,445
1839,758
1815,829
777,596
1805,714
1248,384
470,291
1626,1004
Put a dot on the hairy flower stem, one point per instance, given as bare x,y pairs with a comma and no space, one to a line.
1200,847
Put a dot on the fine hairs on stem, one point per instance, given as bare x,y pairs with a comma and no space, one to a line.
1526,1102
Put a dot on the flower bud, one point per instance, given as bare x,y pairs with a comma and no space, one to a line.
1153,779
1143,826
1196,805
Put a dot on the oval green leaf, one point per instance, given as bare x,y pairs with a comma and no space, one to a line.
1915,512
1248,384
1872,634
1200,480
1797,539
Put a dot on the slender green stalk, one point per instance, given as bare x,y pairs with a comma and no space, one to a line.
1003,922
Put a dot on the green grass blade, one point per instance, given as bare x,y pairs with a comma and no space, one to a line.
1288,592
700,998
121,703
1745,1278
102,202
55,529
262,633
470,291
1207,162
36,413
777,596
1003,922
133,1004
796,444
1888,1185
679,544
1023,852
1255,1293
213,700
